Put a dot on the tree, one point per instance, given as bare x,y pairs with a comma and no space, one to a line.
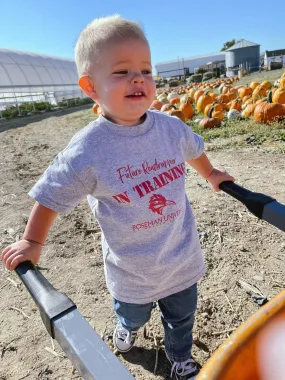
228,44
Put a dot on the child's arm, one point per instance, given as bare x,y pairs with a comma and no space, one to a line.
207,171
30,247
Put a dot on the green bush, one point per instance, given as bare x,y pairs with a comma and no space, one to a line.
26,108
10,112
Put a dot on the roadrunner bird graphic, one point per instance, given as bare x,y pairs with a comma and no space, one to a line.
158,202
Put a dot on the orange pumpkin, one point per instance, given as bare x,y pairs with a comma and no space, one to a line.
268,112
174,100
197,94
157,104
245,91
187,109
209,121
217,107
167,107
249,110
95,108
279,96
223,98
236,105
203,101
253,85
226,89
266,84
176,113
260,91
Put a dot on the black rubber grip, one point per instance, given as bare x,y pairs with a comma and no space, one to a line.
50,302
254,202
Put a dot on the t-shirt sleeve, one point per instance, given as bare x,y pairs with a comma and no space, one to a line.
193,144
64,184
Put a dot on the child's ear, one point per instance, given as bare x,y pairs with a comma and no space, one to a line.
87,86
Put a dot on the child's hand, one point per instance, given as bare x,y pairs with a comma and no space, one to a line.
22,250
217,176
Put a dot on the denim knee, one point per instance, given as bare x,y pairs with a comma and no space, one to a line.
132,316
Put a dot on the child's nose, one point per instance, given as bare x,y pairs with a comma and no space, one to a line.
138,78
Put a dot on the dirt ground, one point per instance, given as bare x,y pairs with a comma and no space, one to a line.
236,246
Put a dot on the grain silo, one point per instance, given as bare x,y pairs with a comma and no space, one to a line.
244,55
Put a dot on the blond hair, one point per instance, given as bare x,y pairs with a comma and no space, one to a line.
98,34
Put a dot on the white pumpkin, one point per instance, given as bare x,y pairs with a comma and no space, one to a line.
233,114
172,95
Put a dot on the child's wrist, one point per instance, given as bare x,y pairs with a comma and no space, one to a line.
33,241
209,174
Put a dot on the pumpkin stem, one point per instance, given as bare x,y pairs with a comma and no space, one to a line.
211,110
269,97
206,92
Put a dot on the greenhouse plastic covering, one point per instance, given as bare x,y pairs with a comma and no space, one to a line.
26,77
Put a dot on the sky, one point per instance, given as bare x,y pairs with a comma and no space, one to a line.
175,29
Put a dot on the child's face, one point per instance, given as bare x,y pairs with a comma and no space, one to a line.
123,70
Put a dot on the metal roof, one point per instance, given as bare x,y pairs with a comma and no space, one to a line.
242,44
191,58
26,69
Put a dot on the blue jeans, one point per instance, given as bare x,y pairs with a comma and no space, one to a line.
177,315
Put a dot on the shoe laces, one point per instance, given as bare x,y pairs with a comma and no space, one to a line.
185,368
126,335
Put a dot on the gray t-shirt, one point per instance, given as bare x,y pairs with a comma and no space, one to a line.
134,181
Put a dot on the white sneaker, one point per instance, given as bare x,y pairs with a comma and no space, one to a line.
187,370
123,340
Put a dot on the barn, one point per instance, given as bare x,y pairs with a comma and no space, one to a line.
186,66
274,56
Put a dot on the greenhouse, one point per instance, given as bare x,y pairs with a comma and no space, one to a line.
30,80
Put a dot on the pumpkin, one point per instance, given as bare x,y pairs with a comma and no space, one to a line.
203,101
187,109
253,85
249,110
223,98
174,100
176,113
221,88
279,96
282,82
218,114
209,121
233,114
157,104
167,107
236,105
244,91
268,112
217,107
197,94
95,108
226,89
213,95
172,95
232,94
186,99
266,84
260,91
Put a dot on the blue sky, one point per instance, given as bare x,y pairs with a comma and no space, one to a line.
174,28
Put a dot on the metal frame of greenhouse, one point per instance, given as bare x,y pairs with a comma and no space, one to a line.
27,77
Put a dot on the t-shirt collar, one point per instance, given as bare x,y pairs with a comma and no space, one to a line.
123,130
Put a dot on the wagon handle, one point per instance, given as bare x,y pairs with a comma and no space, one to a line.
254,202
50,302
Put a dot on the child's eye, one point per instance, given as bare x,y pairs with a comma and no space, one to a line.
146,72
121,72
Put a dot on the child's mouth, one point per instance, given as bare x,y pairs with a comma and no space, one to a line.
136,95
